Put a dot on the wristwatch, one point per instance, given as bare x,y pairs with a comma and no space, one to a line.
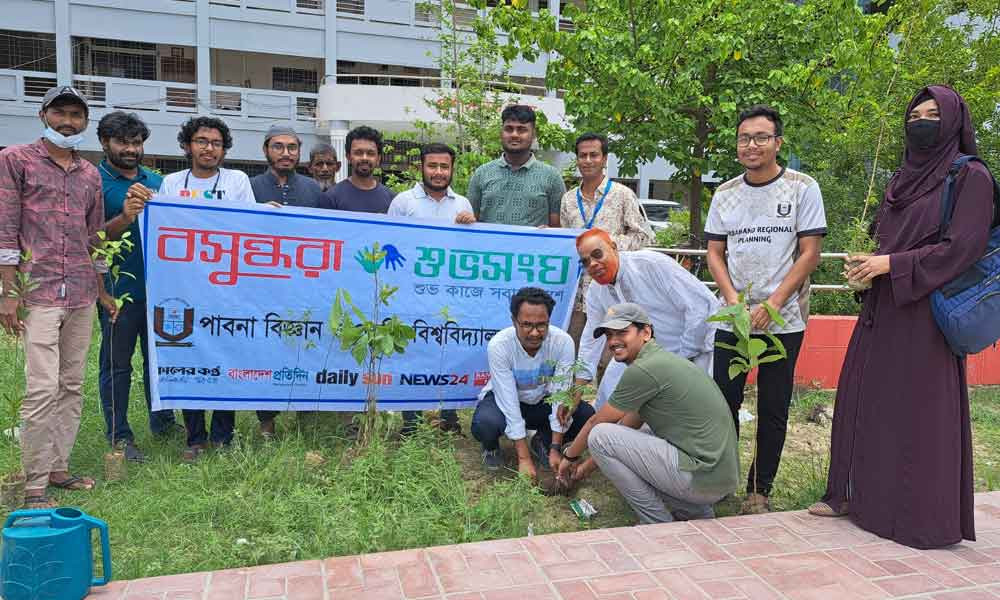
571,459
556,446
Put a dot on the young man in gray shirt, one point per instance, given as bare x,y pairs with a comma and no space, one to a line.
360,192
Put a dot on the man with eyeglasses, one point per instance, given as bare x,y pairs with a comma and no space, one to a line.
764,229
205,141
280,185
528,362
678,303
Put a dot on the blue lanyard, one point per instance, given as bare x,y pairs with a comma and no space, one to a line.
583,213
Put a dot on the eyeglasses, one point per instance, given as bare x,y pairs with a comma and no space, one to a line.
597,254
281,148
529,327
760,139
203,143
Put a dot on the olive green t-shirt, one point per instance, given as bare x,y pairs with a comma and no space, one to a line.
683,406
522,196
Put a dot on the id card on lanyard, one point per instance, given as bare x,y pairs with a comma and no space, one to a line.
588,223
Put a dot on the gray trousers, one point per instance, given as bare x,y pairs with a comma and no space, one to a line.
645,470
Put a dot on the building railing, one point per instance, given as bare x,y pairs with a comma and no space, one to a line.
679,253
311,7
263,104
431,81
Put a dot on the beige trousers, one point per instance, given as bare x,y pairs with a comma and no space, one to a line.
55,348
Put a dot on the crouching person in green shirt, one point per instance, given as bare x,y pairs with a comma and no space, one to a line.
665,438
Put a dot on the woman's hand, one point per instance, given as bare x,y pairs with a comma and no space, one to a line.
870,268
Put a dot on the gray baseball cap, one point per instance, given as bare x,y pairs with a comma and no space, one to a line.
64,91
280,129
620,316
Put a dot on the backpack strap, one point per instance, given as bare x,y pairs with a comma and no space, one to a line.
948,195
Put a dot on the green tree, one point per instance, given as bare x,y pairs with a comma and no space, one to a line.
668,77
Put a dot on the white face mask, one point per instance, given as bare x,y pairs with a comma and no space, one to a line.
69,142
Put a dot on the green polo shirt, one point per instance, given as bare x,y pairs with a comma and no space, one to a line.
683,406
522,196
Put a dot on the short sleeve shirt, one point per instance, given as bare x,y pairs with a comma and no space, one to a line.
761,225
115,187
683,406
346,196
522,196
227,184
298,190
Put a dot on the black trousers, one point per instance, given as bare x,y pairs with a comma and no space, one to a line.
775,383
489,422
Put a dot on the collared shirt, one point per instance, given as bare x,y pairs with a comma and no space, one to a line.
115,186
516,377
683,406
678,304
415,202
620,216
55,214
298,190
522,196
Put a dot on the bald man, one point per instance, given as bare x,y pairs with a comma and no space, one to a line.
678,304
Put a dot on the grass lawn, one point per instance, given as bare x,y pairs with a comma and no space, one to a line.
264,503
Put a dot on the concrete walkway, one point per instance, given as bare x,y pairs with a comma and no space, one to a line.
782,555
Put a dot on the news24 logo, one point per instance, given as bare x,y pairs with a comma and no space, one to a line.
433,379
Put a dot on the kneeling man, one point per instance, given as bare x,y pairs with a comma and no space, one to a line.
528,362
665,438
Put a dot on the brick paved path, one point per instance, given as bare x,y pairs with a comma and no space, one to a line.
782,555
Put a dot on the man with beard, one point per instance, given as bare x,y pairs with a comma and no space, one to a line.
517,188
361,192
205,141
51,206
433,199
678,303
280,185
122,136
664,439
324,165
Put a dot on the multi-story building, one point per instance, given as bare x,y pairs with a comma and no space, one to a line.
251,62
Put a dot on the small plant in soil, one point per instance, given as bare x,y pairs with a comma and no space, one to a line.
750,352
112,253
569,396
12,484
369,339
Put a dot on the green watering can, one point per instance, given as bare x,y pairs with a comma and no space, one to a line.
47,555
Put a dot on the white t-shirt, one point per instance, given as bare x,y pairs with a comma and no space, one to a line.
415,202
761,225
516,377
227,184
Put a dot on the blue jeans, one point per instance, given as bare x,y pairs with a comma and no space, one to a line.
489,422
118,342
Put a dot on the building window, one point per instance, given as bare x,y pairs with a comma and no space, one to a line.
294,80
27,51
115,58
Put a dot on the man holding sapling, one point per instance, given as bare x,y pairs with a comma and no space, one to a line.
433,198
528,362
764,229
678,303
664,438
125,183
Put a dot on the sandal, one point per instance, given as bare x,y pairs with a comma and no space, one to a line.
755,504
74,483
822,509
38,502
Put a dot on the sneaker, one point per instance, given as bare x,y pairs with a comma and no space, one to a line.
132,452
492,459
539,452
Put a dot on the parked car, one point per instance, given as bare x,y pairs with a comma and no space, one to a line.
657,212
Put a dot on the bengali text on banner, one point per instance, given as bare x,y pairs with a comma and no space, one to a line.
238,298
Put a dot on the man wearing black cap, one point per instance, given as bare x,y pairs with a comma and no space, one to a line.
665,438
51,205
280,185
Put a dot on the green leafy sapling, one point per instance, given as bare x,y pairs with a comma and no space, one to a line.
750,352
